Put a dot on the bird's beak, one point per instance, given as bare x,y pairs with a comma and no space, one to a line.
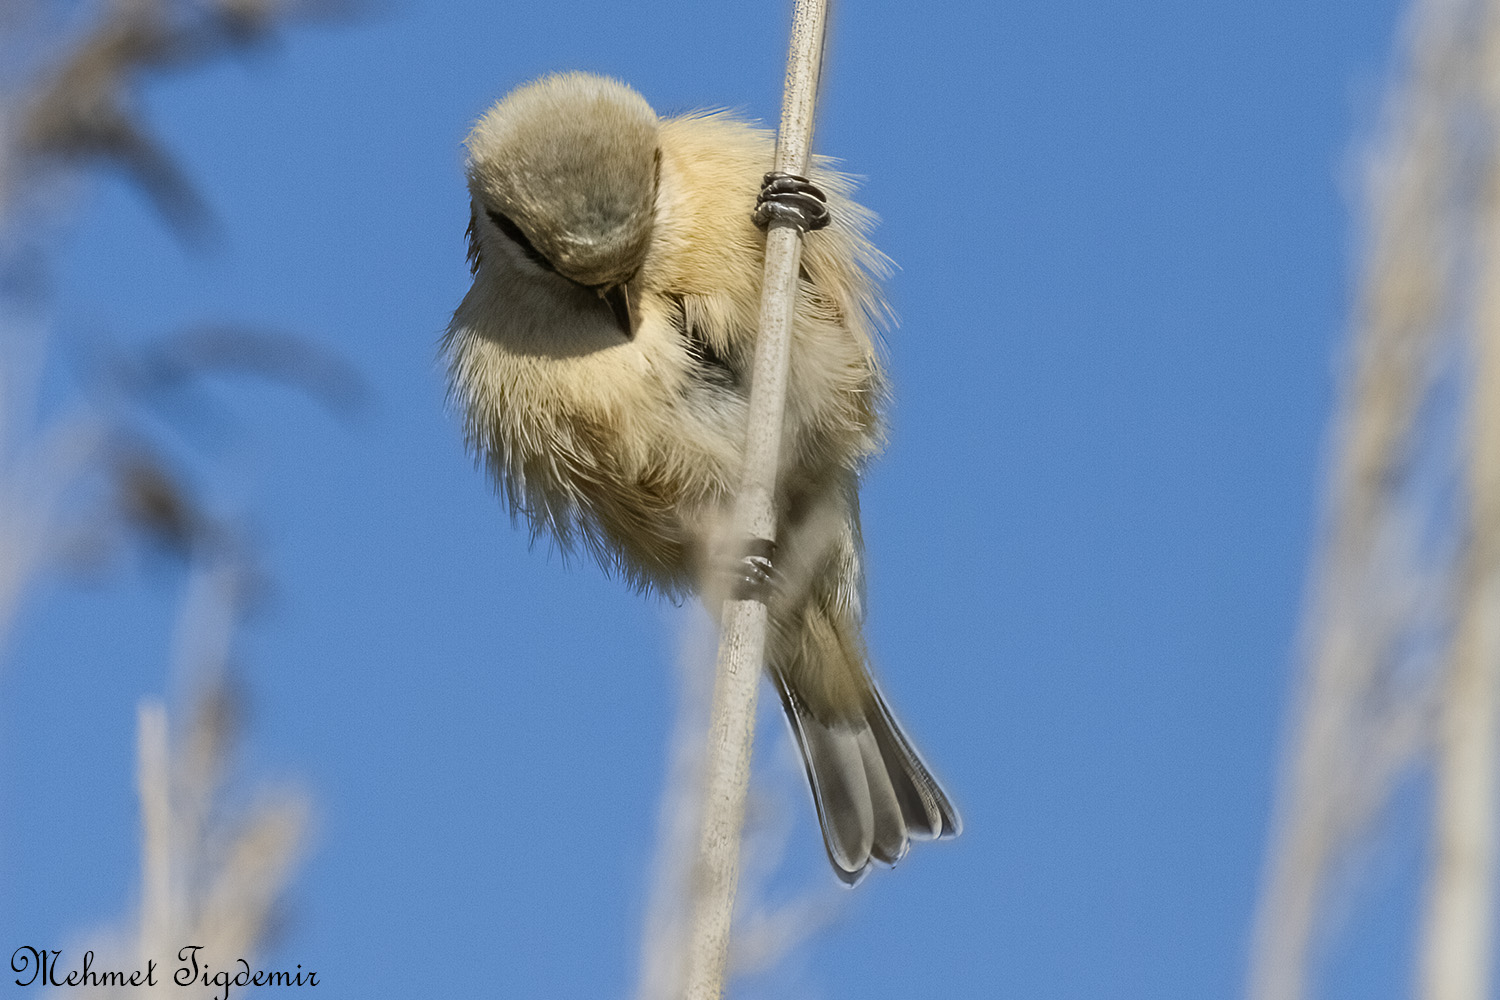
617,297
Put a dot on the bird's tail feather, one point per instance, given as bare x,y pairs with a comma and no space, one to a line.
873,793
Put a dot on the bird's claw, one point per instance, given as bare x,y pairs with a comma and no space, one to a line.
754,574
791,199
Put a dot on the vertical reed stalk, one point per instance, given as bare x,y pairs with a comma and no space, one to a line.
1458,929
743,636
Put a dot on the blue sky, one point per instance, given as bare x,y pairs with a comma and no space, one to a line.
1125,236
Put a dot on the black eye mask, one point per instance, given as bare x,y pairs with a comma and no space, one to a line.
516,236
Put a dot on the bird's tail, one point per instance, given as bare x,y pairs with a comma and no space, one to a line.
872,791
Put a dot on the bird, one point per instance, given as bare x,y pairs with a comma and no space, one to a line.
600,365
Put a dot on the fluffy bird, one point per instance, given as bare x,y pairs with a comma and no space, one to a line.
601,364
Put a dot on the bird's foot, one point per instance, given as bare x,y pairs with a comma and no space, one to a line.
753,574
791,199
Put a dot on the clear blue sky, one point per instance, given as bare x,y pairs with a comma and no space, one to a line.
1125,234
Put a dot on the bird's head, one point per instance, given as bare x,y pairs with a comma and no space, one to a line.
565,169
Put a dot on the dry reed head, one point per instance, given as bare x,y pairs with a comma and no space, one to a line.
210,875
1391,569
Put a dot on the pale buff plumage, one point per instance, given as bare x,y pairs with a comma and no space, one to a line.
622,429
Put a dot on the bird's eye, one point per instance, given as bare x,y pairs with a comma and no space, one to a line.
516,236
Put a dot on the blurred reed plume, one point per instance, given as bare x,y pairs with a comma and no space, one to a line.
80,104
209,876
100,468
1401,635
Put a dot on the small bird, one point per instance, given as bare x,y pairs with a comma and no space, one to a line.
601,363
